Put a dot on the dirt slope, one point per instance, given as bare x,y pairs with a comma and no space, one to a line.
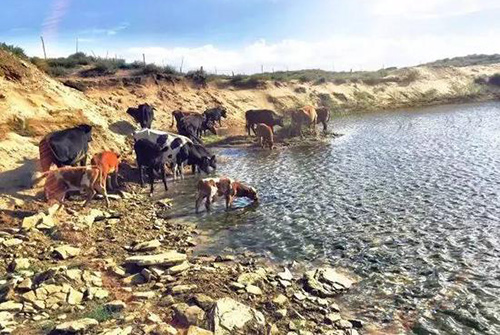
33,104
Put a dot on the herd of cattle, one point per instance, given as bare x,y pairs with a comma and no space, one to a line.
155,150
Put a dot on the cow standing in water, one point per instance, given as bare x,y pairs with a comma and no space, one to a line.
265,135
304,116
65,147
323,117
228,188
265,116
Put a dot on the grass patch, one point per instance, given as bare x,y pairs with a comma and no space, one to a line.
466,61
212,139
101,313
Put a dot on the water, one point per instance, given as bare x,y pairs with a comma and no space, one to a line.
407,200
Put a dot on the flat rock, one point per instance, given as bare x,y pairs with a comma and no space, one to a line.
25,285
30,222
66,251
229,316
74,297
147,245
144,295
203,300
286,275
179,289
280,300
19,264
134,279
179,268
193,330
12,242
11,306
249,278
188,315
76,326
168,258
252,289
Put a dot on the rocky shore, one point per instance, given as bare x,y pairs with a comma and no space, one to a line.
128,270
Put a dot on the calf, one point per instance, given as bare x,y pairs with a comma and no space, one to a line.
265,135
63,180
178,115
65,147
215,114
144,115
323,117
107,162
209,188
173,145
193,126
265,116
306,115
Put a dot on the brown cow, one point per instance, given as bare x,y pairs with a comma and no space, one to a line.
63,180
107,162
323,117
265,135
306,115
210,188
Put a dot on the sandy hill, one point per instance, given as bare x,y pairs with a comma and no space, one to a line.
33,104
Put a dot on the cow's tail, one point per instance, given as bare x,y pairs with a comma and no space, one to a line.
173,120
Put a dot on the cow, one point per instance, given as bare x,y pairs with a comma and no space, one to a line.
215,114
265,116
144,115
323,117
151,156
201,159
177,115
65,147
107,162
65,179
194,125
306,115
210,188
265,135
174,146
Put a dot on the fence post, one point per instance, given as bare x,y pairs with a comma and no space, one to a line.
77,45
144,59
182,63
43,46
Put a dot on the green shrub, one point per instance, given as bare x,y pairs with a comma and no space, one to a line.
17,51
58,71
155,69
199,76
494,79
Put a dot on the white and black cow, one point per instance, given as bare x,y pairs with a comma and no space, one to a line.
174,147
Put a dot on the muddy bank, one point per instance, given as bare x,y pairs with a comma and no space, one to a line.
128,270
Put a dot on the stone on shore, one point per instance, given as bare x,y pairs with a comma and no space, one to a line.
66,251
193,330
19,264
168,259
147,245
12,242
229,316
180,289
324,282
11,306
76,326
188,315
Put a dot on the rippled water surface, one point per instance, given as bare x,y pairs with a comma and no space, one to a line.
407,200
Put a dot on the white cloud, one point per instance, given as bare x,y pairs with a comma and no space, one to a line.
428,9
105,31
339,53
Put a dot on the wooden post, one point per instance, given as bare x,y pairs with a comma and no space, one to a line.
261,68
182,63
232,73
144,59
215,68
43,46
77,45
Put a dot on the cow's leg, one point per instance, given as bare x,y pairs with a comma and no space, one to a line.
90,194
248,128
151,171
199,200
261,141
83,162
102,190
208,202
193,168
181,170
324,126
141,174
229,201
220,123
164,177
174,170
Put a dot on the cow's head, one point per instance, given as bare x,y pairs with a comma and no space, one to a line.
87,129
205,165
223,111
251,193
210,125
279,121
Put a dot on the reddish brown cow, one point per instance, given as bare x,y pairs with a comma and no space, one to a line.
265,135
210,188
107,162
306,115
65,179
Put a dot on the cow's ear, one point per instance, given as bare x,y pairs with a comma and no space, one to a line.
213,158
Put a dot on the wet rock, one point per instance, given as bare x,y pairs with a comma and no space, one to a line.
179,268
180,289
229,316
147,245
325,282
280,300
168,258
115,306
76,326
189,315
10,306
252,289
66,251
193,330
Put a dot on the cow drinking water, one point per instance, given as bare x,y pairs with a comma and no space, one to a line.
265,116
210,188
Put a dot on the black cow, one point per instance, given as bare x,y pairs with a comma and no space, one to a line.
178,115
323,117
265,116
65,147
199,157
215,114
151,156
192,126
144,115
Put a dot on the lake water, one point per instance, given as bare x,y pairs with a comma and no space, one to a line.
407,200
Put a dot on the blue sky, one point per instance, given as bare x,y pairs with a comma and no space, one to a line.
242,35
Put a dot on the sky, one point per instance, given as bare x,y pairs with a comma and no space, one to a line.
246,36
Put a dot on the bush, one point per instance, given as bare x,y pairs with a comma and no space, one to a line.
17,51
155,69
58,71
494,79
199,76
